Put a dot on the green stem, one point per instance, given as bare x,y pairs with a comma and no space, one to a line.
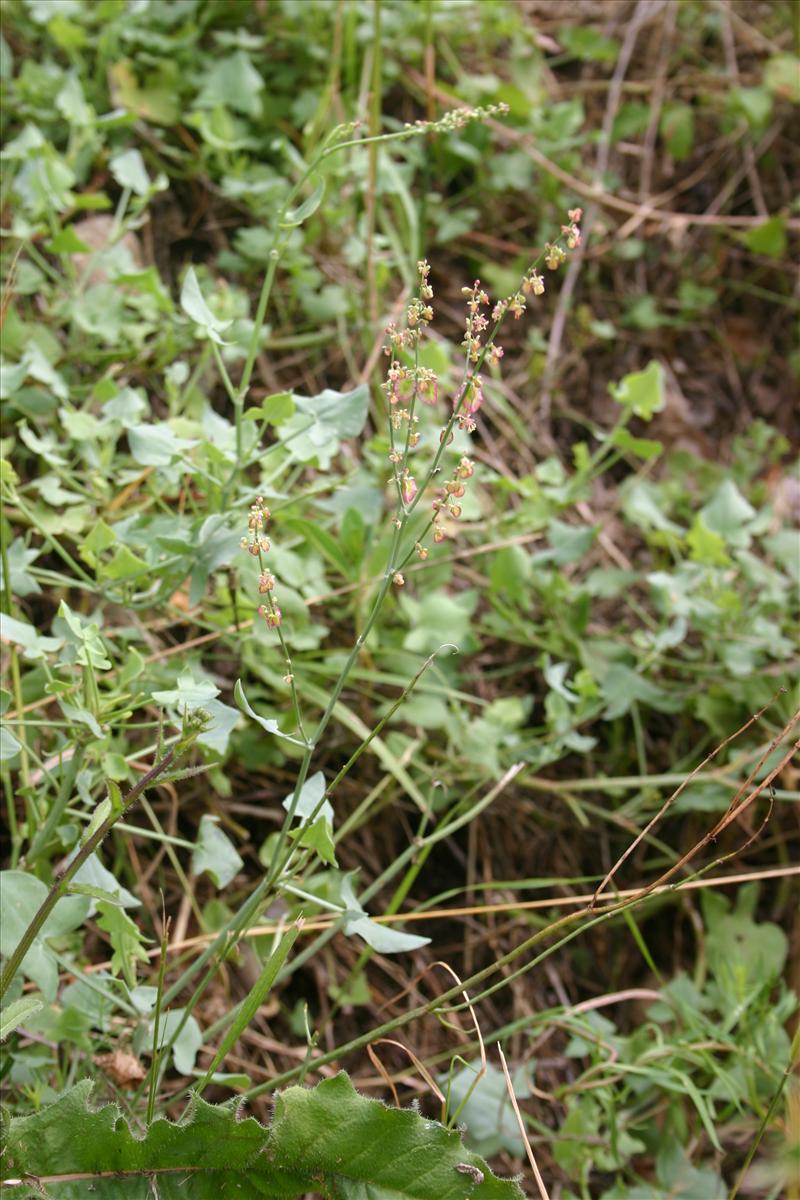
452,993
154,1061
59,886
794,1059
57,810
53,543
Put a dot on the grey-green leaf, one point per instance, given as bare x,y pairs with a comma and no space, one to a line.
214,853
15,1013
296,216
21,895
194,306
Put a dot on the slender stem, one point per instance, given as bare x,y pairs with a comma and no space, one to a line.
59,886
154,1061
54,543
794,1060
56,812
450,993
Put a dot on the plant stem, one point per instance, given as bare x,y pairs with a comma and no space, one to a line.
59,886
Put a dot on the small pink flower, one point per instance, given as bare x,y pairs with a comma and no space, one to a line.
408,487
473,400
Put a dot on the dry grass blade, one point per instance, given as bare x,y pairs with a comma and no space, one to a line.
671,799
543,1193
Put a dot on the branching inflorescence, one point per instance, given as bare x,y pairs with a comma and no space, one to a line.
407,383
410,384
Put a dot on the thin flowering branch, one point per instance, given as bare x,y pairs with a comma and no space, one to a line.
406,384
256,543
401,389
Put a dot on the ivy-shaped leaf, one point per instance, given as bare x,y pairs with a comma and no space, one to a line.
127,940
641,392
215,853
21,896
383,938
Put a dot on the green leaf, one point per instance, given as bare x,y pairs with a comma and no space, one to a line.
156,101
93,892
66,241
622,686
483,1106
214,853
742,953
94,874
645,448
297,216
188,1040
149,283
101,813
644,505
386,939
782,76
9,744
569,543
189,693
21,896
233,82
22,634
677,129
631,120
308,802
156,445
130,172
438,619
194,306
73,713
16,1013
706,546
124,564
269,725
336,414
642,392
222,722
101,537
127,940
682,1181
273,409
314,535
84,635
327,1140
753,103
317,837
727,512
372,1148
587,44
768,239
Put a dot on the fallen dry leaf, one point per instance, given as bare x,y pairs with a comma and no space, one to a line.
121,1068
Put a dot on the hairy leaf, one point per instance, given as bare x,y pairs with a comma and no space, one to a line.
328,1140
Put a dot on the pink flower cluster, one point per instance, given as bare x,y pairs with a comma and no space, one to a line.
407,384
255,542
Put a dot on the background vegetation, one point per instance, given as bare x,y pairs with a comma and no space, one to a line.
622,588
